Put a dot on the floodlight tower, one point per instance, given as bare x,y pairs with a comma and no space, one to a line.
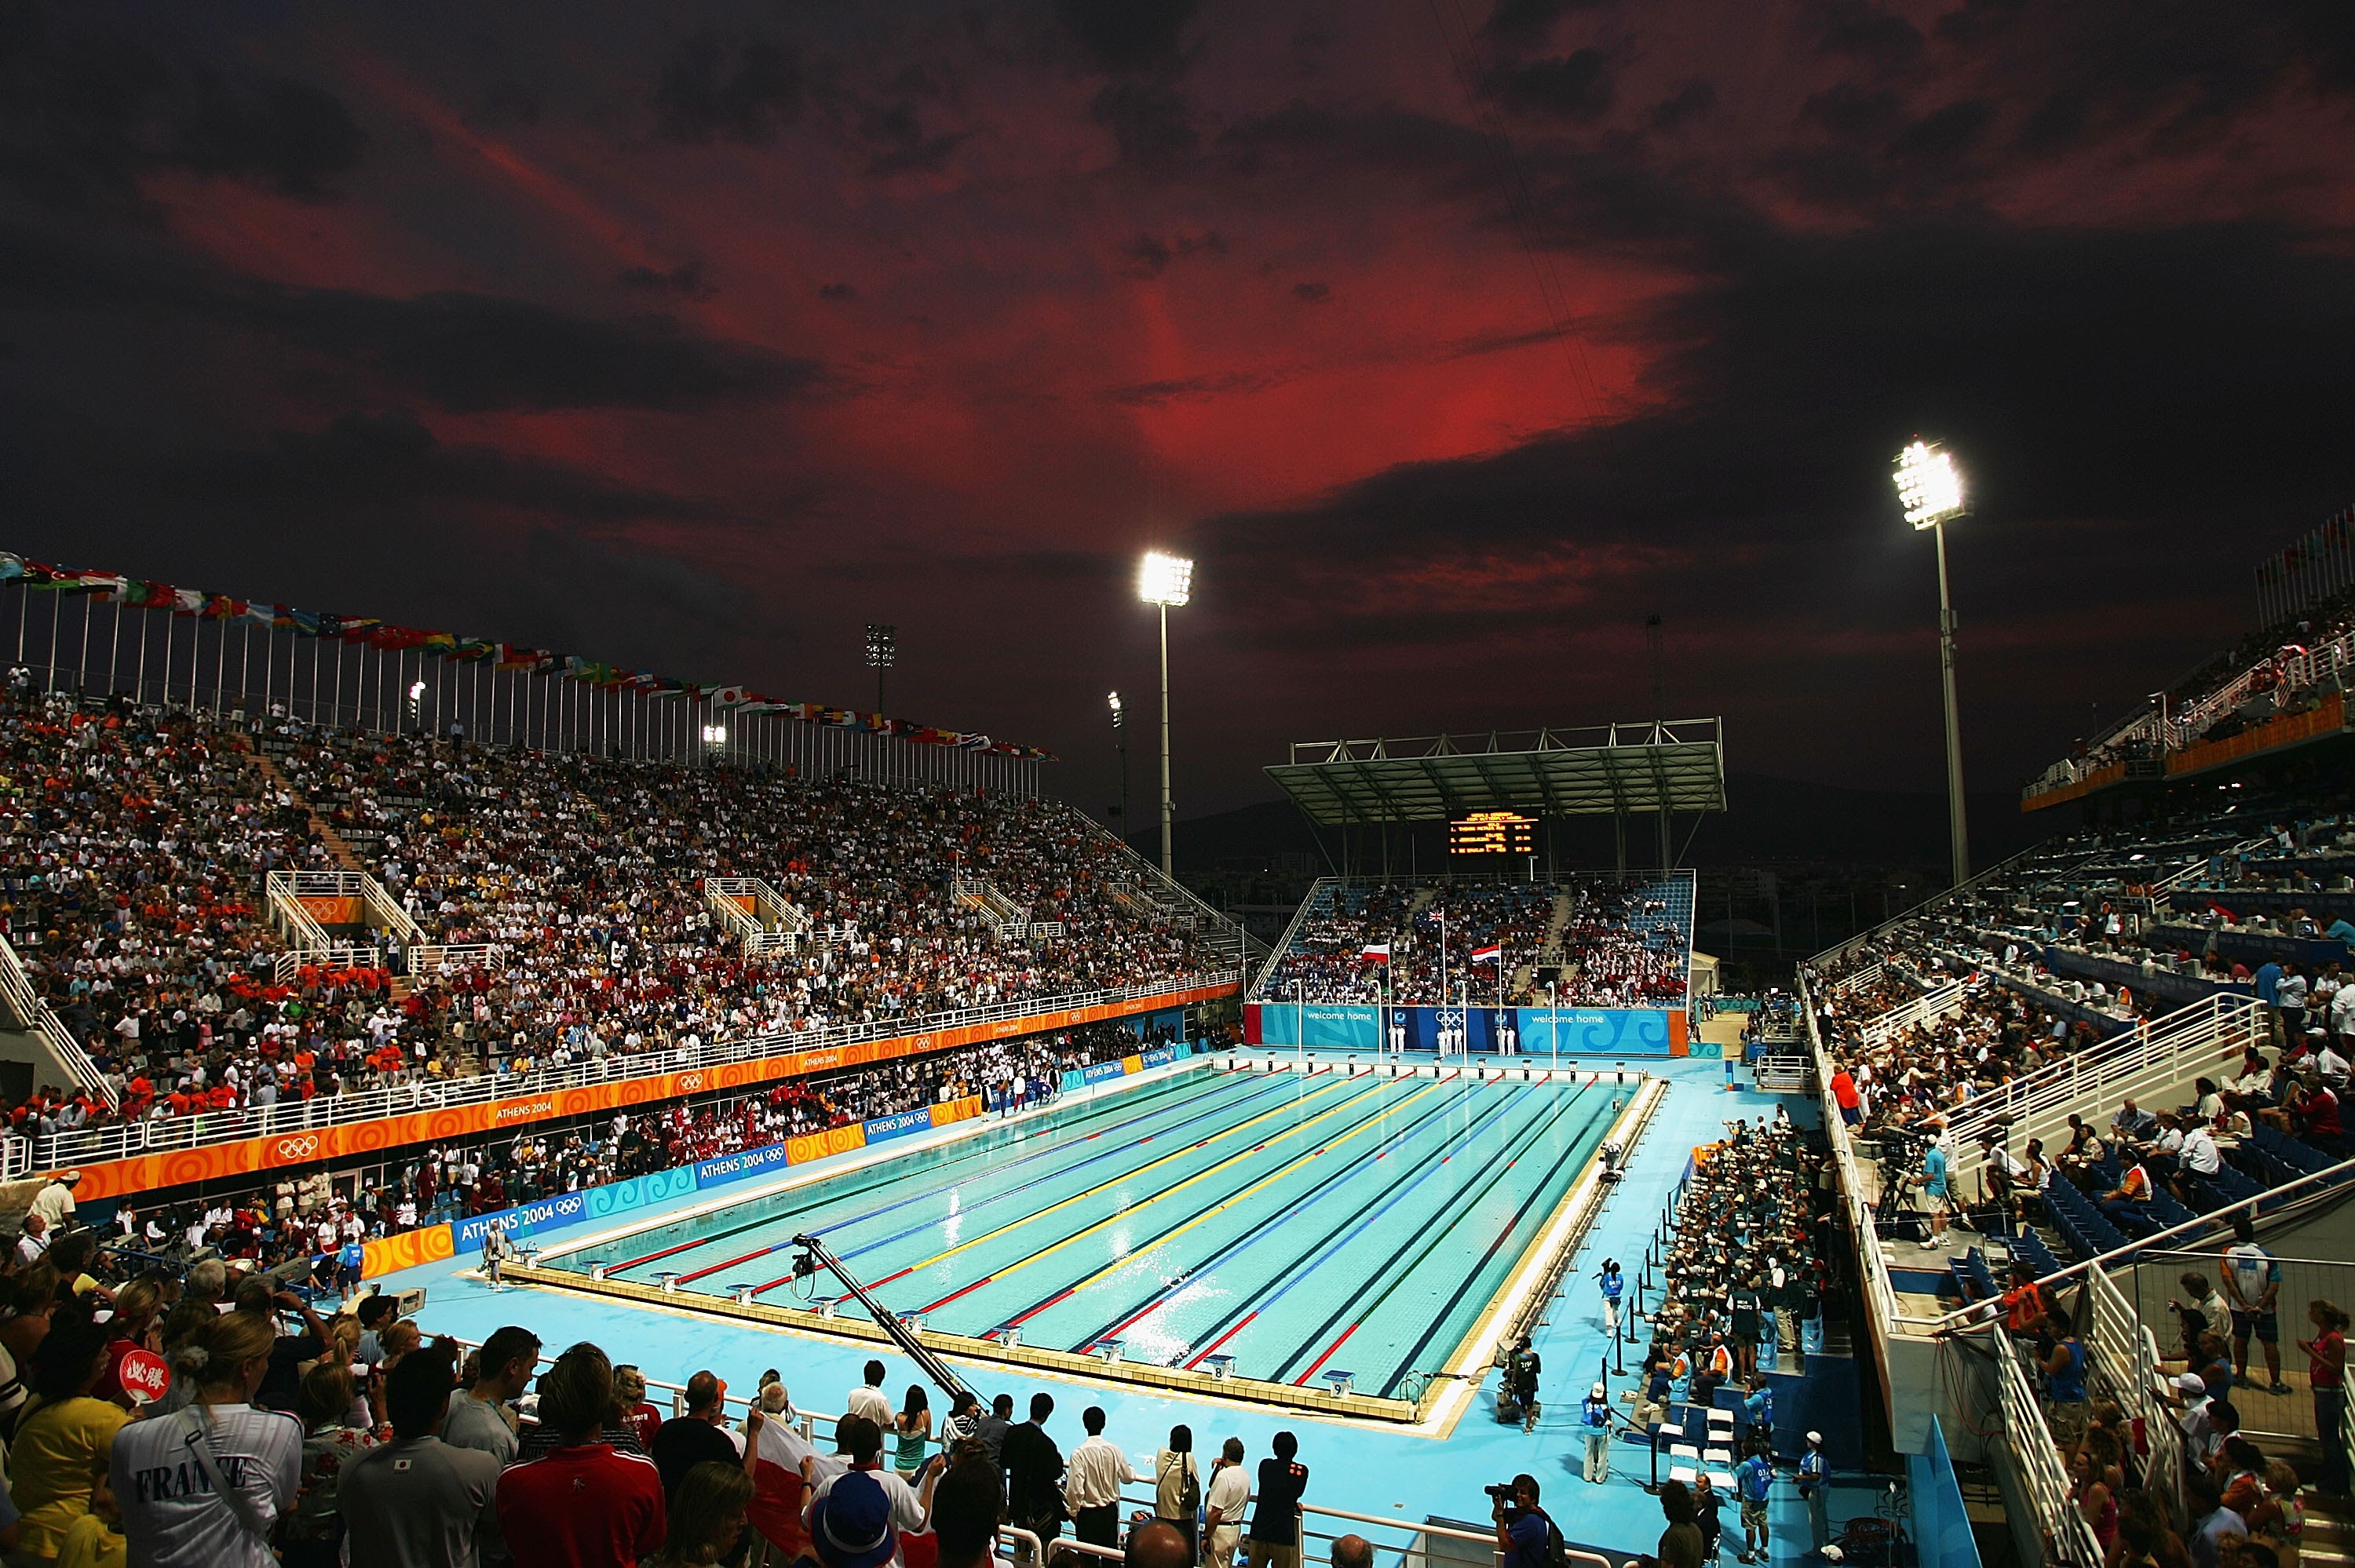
1165,581
1120,745
882,652
1930,488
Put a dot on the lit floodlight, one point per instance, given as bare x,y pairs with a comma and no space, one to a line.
715,735
1117,711
1929,486
416,690
1165,580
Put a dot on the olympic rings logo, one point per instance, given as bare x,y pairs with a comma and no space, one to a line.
297,1148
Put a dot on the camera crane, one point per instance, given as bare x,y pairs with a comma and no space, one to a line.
815,1256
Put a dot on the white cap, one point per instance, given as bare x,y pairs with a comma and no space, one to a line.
1816,1438
1600,1392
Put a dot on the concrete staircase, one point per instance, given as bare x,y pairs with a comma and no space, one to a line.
338,848
2329,1540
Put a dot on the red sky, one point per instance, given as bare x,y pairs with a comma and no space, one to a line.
1452,338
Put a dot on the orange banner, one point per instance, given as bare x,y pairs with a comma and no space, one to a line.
251,1156
818,1145
407,1250
1679,1033
334,911
948,1111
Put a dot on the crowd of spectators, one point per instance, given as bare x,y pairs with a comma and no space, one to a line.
1574,943
312,1217
138,842
350,1438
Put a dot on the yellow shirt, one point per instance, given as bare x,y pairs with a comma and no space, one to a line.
90,1542
50,1464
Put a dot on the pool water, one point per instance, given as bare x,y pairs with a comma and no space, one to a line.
1299,1224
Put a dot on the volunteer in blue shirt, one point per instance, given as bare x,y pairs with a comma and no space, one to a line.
1814,1486
2064,1381
1613,1285
1752,1479
1934,1191
1594,1422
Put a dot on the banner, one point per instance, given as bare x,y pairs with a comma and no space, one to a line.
253,1156
528,1219
1524,1030
737,1167
898,1126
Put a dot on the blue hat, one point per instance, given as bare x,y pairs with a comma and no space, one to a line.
851,1527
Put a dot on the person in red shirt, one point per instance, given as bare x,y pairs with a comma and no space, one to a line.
630,1391
584,1505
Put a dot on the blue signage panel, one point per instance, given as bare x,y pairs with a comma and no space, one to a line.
1524,1031
900,1126
738,1166
527,1219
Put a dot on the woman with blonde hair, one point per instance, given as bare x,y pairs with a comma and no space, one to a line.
312,1535
225,1520
707,1517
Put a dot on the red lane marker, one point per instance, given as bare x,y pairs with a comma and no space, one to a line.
966,1291
1059,1296
1301,1380
683,1246
771,1285
1213,1347
732,1263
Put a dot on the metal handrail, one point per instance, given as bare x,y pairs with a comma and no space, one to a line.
1927,1008
38,1016
122,1140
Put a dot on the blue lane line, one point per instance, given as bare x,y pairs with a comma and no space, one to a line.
1340,1237
1183,1104
1324,1189
1114,1152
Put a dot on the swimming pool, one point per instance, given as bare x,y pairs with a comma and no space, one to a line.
1299,1224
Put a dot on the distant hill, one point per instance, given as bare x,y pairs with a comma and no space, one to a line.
1768,821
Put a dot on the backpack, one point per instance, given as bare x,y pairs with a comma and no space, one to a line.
1190,1497
1556,1548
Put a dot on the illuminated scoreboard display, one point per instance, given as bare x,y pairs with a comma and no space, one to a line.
1491,832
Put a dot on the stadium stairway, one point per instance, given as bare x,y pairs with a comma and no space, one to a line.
337,848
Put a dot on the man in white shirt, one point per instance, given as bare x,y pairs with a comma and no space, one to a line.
1091,1481
1228,1496
870,1400
34,1241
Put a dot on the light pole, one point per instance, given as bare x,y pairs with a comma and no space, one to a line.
882,652
1930,488
1165,581
1120,745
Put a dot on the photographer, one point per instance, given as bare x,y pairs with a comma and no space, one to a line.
1523,1531
1522,1367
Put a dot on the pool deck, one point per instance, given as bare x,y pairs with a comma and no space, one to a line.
1390,1474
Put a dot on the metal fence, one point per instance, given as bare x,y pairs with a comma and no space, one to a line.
2152,1285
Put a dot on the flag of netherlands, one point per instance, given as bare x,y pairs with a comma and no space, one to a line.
1488,955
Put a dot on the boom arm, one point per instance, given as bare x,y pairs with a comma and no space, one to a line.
815,1256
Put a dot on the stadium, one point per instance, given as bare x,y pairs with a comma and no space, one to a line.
490,1078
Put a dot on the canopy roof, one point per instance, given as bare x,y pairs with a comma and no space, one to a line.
1676,765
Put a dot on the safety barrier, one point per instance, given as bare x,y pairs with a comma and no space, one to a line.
39,1018
2036,1463
145,1155
564,1210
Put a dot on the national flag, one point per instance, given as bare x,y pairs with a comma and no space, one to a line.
514,658
1488,955
1375,953
189,602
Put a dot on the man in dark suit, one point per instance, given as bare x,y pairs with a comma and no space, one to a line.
1034,1474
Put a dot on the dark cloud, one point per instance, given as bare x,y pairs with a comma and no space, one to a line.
1190,389
1127,34
900,144
464,352
1861,29
685,278
1312,294
1150,256
85,113
367,462
1689,102
719,89
1149,123
844,293
1576,87
1525,24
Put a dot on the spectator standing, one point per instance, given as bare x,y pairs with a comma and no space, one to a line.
313,1534
1034,1474
1275,1533
630,1394
1223,1505
2326,1370
912,1430
2064,1381
707,1518
1679,1543
61,1434
248,1462
870,1400
1708,1517
699,1436
965,1507
991,1429
478,1417
2251,1280
55,1202
850,1525
1091,1484
583,1504
419,1501
1178,1487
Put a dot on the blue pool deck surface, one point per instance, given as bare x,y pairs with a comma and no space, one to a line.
1389,1473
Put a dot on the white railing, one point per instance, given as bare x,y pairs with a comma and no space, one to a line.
427,958
1927,1008
1859,981
38,1017
771,926
1872,1263
2037,1461
386,912
289,966
2127,1356
302,928
2151,1059
122,1140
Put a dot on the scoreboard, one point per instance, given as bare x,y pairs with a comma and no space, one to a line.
1491,832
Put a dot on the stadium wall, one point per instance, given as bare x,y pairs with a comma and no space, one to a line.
1539,1030
432,1244
247,1157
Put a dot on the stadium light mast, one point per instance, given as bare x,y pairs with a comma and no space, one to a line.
1120,745
882,652
1930,488
1165,581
